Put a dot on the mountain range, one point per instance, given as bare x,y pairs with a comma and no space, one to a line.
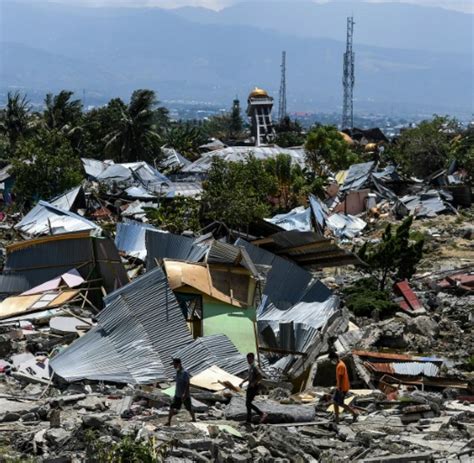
408,58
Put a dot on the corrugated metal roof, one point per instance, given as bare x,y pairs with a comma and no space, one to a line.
240,153
130,238
225,253
216,349
345,225
173,159
171,246
308,249
297,219
405,368
68,200
39,260
286,282
137,334
47,219
357,176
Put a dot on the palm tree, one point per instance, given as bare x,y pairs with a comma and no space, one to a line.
61,112
135,138
16,121
186,139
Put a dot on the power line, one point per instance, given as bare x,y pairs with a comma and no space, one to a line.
348,79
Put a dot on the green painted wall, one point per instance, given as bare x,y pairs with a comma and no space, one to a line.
236,323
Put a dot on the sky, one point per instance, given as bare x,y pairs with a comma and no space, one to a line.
466,6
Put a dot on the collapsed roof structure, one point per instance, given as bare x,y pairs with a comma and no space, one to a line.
31,263
137,180
241,153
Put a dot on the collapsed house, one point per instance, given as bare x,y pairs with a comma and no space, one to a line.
137,180
33,262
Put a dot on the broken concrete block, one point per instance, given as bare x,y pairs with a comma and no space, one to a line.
93,421
91,403
277,413
57,437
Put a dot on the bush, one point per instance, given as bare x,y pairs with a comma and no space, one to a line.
363,297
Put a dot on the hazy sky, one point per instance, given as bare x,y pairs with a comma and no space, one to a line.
459,5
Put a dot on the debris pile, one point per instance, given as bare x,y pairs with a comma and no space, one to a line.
95,306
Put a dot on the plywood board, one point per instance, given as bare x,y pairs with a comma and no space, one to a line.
212,379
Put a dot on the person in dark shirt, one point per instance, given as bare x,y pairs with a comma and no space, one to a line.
181,395
254,379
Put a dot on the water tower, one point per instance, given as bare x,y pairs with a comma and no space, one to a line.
259,111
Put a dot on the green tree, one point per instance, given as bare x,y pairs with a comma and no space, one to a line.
280,167
395,256
237,193
425,149
177,216
15,121
61,112
45,166
97,125
135,136
326,146
289,133
185,138
462,150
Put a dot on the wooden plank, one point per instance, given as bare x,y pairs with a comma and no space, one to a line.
402,458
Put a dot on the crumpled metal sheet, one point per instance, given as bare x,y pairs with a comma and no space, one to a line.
405,368
241,153
216,349
137,334
130,238
35,261
357,176
47,219
286,282
427,204
297,219
224,253
170,246
345,226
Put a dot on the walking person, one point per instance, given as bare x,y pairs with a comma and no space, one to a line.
254,379
181,395
342,387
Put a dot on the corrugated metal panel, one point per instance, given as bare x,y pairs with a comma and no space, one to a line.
297,219
225,253
130,238
357,176
67,201
40,260
171,246
211,350
139,329
286,282
345,225
241,153
405,368
415,368
47,219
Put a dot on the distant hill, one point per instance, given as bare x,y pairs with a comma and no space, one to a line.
111,52
392,25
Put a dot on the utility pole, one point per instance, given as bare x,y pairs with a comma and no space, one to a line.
282,99
348,79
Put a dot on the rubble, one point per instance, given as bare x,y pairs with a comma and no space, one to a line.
96,305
